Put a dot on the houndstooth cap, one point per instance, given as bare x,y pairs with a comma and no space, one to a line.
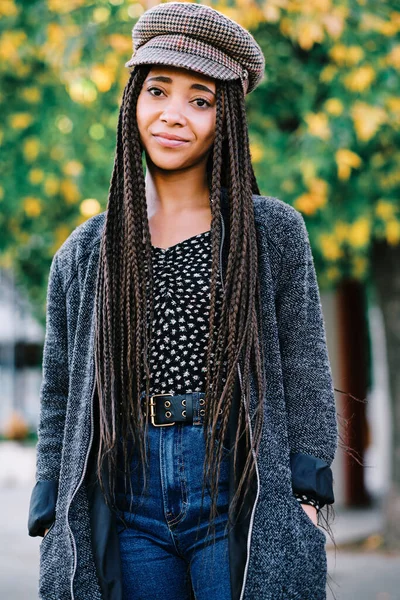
198,37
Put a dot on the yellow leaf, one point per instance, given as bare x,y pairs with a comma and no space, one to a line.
61,7
51,185
334,106
384,209
360,79
35,176
359,232
32,206
271,13
328,73
338,54
330,246
20,120
256,151
70,191
344,172
90,207
367,119
393,232
31,148
393,58
8,8
354,55
101,14
346,160
341,231
82,91
393,103
103,77
334,24
305,204
318,125
10,41
309,32
31,94
319,187
120,43
72,168
347,157
286,27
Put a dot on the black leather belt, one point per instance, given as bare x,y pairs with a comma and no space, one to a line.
168,409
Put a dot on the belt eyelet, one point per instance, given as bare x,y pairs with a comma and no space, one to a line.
167,404
184,413
202,412
168,414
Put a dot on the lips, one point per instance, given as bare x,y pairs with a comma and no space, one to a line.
168,143
170,136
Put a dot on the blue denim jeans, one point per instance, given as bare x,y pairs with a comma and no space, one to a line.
163,550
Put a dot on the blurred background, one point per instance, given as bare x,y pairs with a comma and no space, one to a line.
325,132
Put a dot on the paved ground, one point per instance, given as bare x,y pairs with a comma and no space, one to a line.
363,576
352,576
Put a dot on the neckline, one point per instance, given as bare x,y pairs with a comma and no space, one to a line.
181,243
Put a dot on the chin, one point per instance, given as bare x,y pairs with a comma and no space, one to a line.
167,163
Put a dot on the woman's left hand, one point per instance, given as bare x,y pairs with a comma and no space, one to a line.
312,513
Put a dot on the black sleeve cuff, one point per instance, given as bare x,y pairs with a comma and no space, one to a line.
313,476
42,508
308,499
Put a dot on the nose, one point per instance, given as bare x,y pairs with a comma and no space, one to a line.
173,114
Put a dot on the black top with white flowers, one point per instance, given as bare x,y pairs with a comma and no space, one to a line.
177,353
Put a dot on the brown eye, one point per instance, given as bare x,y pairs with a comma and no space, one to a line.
202,100
155,88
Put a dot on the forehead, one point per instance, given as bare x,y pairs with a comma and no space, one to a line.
181,73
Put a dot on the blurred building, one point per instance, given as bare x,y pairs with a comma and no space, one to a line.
355,484
21,346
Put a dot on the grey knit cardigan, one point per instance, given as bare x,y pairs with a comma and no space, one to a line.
286,551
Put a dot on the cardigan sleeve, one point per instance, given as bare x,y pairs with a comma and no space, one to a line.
53,403
307,377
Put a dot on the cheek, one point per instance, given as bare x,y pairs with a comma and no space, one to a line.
211,131
142,114
208,128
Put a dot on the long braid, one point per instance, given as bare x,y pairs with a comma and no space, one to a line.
240,290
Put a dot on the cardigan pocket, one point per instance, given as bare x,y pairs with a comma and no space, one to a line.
308,523
308,570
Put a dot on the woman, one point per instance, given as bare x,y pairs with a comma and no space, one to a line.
185,335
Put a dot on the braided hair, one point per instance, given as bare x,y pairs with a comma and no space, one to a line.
124,289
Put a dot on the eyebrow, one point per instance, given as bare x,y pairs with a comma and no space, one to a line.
196,86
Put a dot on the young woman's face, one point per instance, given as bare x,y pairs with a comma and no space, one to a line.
178,102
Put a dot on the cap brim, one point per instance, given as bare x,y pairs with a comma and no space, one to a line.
161,56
